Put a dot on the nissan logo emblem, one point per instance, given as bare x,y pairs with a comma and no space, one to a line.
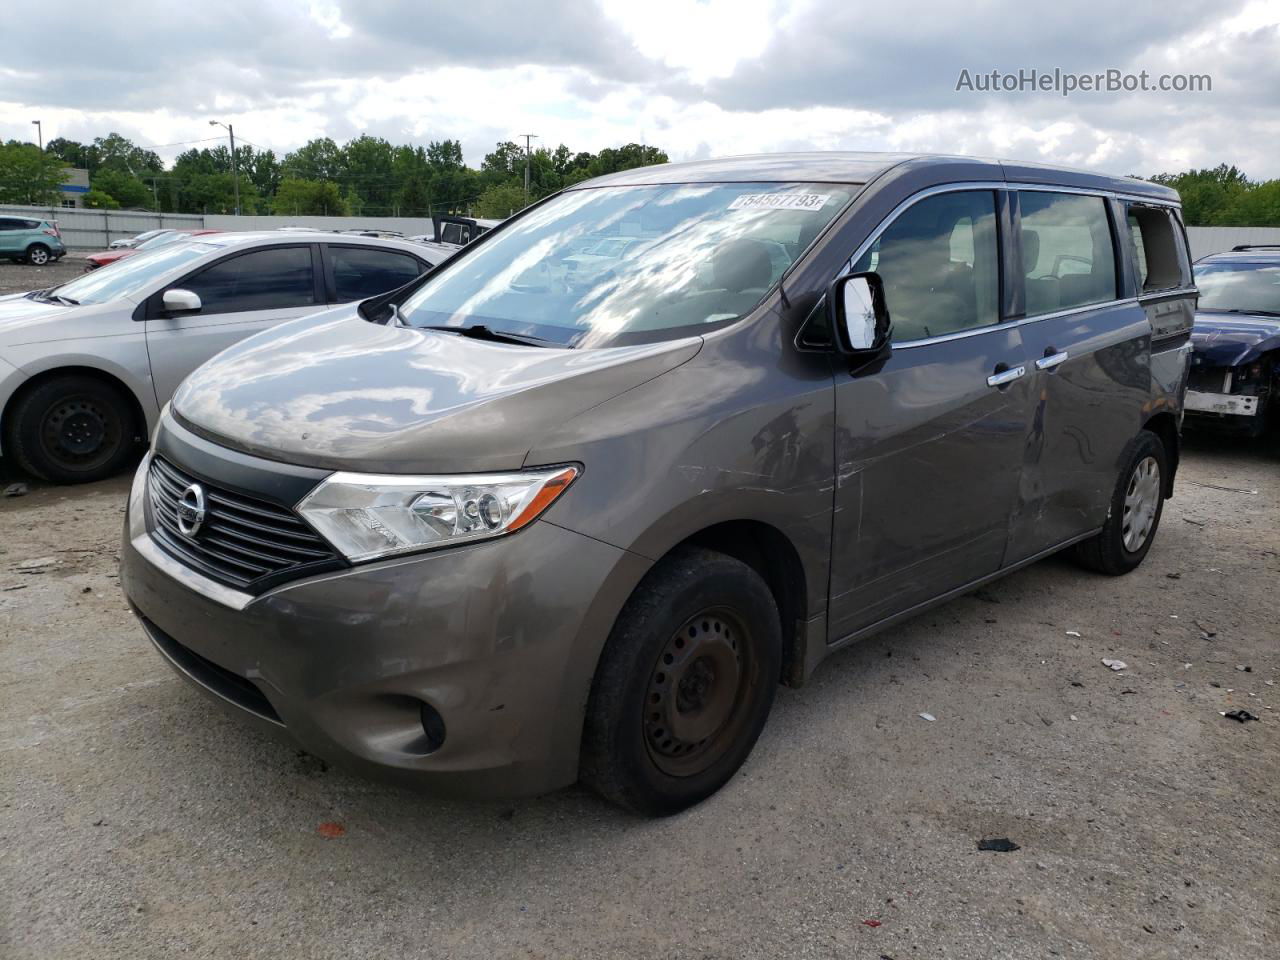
191,508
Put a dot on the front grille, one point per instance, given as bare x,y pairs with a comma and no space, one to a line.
244,542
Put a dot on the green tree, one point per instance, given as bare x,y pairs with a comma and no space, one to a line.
70,152
127,190
500,201
215,193
114,152
29,174
318,159
1258,206
97,200
309,198
1207,194
367,172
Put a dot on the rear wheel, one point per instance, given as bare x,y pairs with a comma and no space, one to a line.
684,685
72,429
1136,505
38,254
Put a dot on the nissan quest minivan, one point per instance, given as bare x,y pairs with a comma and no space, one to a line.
516,524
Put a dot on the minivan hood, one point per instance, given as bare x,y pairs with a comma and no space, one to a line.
338,392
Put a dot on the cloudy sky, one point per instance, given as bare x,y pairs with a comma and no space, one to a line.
696,77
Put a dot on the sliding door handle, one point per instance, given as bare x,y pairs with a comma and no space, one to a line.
1051,361
1003,377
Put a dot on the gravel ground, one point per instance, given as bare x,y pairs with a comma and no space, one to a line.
137,820
21,277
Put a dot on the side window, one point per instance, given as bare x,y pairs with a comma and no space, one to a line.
360,272
8,223
940,265
1155,248
1068,255
269,279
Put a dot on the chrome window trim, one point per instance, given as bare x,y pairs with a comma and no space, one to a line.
1011,187
1021,321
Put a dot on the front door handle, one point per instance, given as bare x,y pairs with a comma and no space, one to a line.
1002,377
1051,361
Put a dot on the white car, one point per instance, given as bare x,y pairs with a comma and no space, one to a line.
85,367
130,242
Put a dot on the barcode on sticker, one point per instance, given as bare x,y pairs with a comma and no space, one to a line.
780,201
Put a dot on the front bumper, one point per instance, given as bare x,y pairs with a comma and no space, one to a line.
501,638
1228,403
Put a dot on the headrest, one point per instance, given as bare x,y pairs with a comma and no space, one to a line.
1030,250
742,265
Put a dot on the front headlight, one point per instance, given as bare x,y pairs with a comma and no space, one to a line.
367,516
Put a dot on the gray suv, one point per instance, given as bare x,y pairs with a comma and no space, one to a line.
516,524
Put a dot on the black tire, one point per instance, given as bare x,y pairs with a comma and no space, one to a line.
72,429
697,646
1108,552
38,254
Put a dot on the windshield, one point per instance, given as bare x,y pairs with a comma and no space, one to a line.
1243,287
163,239
660,262
127,277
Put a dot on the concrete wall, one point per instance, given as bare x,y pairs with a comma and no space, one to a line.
409,226
95,229
1207,240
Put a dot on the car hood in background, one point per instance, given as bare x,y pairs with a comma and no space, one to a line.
1230,339
110,256
346,394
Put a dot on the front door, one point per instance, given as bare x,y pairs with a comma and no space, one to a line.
239,295
929,446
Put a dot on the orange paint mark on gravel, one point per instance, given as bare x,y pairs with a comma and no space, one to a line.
331,829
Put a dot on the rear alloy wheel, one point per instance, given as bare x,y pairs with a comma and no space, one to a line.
684,684
1134,516
72,429
38,254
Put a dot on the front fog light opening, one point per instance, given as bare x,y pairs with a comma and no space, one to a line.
432,727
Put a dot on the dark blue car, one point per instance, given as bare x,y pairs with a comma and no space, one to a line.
1235,369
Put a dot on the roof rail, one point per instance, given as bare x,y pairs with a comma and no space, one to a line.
1240,248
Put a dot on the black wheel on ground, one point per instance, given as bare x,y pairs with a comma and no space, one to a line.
38,254
684,684
1136,506
71,429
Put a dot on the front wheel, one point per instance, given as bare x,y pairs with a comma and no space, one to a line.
72,429
1136,505
684,685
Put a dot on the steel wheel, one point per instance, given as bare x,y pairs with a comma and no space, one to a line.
79,433
696,690
38,256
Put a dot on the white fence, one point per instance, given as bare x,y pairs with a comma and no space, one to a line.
1207,240
95,229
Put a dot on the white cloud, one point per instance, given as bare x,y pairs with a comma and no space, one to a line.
696,77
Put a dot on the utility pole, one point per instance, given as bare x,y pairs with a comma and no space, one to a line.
528,137
235,178
39,134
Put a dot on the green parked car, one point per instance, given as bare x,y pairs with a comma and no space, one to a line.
30,241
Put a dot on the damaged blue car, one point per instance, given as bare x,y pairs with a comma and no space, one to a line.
1235,367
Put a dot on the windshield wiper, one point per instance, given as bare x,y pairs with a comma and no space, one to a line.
48,296
478,331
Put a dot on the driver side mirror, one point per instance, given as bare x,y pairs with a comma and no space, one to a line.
859,317
180,301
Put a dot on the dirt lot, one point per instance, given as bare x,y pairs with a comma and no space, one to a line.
21,277
138,820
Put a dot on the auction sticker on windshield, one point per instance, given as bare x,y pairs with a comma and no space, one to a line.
780,201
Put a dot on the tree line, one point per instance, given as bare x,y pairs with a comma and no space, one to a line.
367,176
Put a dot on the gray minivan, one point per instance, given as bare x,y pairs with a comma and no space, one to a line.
515,524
